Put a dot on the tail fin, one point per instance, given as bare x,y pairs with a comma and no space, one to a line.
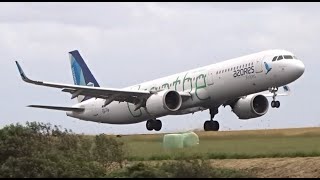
81,73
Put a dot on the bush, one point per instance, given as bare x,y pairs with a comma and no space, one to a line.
40,150
137,170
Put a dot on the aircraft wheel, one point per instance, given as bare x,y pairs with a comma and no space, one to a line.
158,125
215,125
207,126
211,126
149,125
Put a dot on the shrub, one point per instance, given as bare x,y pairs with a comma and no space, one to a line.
40,150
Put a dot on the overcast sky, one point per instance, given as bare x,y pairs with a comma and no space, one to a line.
128,43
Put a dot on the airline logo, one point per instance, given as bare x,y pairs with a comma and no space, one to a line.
268,67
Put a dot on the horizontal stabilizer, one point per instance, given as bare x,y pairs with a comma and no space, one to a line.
58,108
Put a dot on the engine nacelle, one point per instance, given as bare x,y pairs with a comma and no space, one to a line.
251,106
163,103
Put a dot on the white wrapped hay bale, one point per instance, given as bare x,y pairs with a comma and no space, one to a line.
190,139
183,140
173,141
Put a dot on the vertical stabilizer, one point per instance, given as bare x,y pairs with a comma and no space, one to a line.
81,73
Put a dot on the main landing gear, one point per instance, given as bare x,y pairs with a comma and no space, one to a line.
211,125
274,103
154,124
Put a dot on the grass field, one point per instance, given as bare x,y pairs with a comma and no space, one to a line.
300,142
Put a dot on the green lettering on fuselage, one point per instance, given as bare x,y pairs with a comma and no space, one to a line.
187,84
198,86
175,83
186,79
165,85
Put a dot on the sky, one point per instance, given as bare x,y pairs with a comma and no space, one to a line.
127,43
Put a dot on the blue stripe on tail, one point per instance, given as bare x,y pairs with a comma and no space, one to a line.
81,73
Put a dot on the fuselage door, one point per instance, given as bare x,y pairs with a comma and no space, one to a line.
210,76
259,65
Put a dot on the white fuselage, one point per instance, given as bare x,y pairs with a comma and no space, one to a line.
210,86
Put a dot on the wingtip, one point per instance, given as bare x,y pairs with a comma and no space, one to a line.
17,63
22,74
286,88
73,51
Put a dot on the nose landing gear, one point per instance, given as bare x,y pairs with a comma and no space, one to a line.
274,103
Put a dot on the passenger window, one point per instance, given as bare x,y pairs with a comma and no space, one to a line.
275,58
279,58
287,57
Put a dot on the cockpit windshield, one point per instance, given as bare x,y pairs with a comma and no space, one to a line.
278,58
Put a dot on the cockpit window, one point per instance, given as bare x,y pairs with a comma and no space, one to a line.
279,58
287,57
275,58
294,57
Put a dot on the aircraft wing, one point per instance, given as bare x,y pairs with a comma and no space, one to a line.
110,94
286,92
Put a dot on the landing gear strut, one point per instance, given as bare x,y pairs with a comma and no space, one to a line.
211,125
154,124
274,103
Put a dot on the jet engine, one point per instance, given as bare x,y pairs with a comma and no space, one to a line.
251,106
163,103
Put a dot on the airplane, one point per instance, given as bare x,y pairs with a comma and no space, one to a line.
241,83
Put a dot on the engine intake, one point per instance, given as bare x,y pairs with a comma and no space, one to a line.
251,106
163,102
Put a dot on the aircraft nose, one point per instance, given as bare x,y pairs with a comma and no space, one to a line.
299,67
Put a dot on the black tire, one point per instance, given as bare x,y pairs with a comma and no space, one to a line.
277,104
207,126
211,126
149,125
273,104
215,125
157,125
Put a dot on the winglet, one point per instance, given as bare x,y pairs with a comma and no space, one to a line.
22,74
286,89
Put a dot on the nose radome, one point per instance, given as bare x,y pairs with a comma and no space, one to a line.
299,66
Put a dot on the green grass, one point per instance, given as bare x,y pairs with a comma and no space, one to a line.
226,145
